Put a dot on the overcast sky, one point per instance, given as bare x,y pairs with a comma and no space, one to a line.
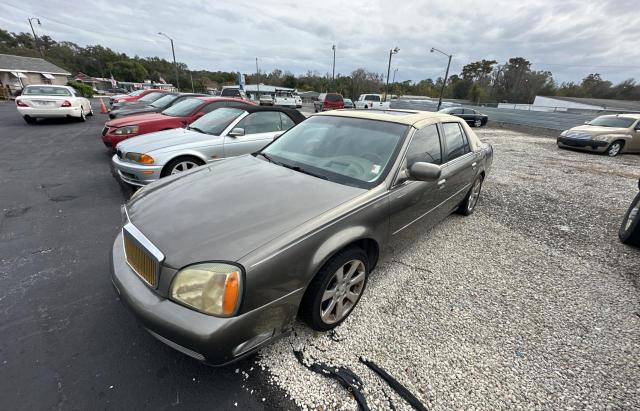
570,38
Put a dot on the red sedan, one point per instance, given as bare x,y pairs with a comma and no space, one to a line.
136,95
176,116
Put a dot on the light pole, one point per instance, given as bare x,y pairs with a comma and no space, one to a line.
174,59
35,38
333,74
257,80
446,74
393,51
393,79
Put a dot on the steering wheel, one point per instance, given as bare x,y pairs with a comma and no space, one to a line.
373,157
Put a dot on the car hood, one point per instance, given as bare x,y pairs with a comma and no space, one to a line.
137,119
147,143
226,209
597,130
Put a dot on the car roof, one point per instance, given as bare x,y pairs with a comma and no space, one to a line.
629,115
408,117
294,114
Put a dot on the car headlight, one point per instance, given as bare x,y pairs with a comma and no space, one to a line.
602,137
564,133
211,288
141,158
126,130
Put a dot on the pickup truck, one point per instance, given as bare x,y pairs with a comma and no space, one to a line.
367,101
284,99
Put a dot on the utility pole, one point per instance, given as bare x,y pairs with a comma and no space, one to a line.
174,59
35,38
393,80
391,53
257,80
446,75
191,75
333,73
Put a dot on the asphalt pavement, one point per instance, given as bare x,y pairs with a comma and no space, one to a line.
66,342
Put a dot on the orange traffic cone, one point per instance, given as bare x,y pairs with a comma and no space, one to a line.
103,108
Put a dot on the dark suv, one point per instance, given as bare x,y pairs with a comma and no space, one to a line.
328,101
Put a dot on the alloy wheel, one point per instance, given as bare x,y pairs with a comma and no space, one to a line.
474,195
478,123
183,166
614,149
343,291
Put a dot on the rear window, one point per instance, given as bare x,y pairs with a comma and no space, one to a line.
334,97
371,97
45,91
230,92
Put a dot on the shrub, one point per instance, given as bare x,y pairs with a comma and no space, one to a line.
84,90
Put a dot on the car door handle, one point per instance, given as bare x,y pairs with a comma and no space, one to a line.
473,164
441,182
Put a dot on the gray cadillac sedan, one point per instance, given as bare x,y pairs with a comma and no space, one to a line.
219,260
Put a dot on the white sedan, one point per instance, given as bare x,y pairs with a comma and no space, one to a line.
48,101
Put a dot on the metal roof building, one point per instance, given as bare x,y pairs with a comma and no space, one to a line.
18,71
597,104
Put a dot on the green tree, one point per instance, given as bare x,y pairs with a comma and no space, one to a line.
128,70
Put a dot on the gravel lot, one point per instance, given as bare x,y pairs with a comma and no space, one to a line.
530,303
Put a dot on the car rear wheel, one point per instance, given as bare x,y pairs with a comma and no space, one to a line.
469,203
29,120
629,232
615,148
478,123
181,164
83,117
335,290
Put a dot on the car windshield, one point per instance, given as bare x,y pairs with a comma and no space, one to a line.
45,91
350,151
183,108
151,97
372,97
447,110
217,121
163,101
606,121
136,93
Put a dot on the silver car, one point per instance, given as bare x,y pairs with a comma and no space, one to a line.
225,132
219,261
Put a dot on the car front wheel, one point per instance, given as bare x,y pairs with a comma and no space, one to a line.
629,232
478,123
335,290
615,148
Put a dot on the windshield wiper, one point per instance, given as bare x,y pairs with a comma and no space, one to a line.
269,159
199,130
302,170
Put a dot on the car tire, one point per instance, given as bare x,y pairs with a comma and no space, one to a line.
615,148
90,110
344,276
186,162
470,201
30,120
83,117
477,123
629,232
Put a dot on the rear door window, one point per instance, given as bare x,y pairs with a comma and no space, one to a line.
425,146
334,97
455,141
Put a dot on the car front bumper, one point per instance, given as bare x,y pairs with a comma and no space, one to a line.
136,174
38,112
584,144
111,139
213,340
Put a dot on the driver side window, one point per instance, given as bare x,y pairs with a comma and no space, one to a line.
261,122
425,146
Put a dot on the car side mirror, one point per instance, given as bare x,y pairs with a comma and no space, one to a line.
236,132
424,172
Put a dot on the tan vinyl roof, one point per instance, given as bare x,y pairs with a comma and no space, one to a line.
408,117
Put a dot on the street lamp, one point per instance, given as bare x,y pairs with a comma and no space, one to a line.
393,51
333,74
446,75
35,38
174,59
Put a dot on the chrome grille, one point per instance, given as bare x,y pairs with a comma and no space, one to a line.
144,261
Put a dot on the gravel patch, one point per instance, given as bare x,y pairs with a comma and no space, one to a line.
529,303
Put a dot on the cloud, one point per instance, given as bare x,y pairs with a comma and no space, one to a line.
570,38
